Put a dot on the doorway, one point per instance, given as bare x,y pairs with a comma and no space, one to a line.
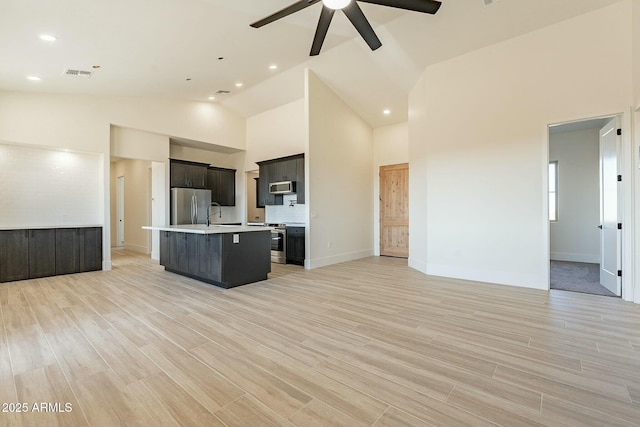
394,210
584,206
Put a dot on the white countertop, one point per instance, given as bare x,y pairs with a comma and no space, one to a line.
212,229
46,227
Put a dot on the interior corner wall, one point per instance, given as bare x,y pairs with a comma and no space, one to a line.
139,145
636,51
340,192
574,236
137,201
478,143
390,147
275,133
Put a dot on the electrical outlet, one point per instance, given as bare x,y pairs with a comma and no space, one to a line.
328,244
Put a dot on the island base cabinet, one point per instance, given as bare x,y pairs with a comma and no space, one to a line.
223,259
244,261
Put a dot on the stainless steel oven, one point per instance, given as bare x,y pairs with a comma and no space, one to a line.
279,243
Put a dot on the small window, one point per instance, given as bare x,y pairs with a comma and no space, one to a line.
553,191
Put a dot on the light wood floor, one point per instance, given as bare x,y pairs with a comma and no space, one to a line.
364,343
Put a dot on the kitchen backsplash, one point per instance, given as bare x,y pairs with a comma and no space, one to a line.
42,187
285,213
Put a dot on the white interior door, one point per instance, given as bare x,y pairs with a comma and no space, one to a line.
610,234
120,211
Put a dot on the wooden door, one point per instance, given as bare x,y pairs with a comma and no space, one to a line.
394,210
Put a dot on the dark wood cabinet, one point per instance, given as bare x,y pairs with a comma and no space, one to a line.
223,259
295,245
90,251
222,183
67,251
14,255
300,180
42,253
283,169
185,174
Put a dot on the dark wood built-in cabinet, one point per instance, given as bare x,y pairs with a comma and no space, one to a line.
277,170
34,253
295,245
42,253
221,181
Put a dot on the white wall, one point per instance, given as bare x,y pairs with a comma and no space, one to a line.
135,144
339,170
390,147
478,143
50,188
275,133
574,237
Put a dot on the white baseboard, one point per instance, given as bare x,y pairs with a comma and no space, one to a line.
136,248
336,259
573,257
421,266
489,276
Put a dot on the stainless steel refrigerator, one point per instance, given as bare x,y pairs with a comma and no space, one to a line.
189,206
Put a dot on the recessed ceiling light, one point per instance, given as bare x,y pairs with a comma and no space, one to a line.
47,38
273,67
33,78
211,98
386,112
239,84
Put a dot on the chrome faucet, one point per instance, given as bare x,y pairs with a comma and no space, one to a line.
209,212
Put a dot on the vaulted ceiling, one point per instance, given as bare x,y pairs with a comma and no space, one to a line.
190,49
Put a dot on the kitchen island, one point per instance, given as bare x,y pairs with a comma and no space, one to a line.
223,255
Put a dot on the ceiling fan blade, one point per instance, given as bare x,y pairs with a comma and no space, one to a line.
321,30
293,8
425,6
357,18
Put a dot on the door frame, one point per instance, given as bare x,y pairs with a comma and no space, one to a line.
379,206
626,165
119,211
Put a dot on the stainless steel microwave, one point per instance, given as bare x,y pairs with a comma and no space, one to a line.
283,187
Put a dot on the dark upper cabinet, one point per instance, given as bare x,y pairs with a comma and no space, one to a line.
300,180
14,255
284,169
42,253
185,174
222,183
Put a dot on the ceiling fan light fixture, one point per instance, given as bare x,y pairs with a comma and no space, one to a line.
336,4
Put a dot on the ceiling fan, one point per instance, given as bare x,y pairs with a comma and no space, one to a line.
353,12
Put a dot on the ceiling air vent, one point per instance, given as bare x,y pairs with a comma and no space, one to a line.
489,2
222,92
77,73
